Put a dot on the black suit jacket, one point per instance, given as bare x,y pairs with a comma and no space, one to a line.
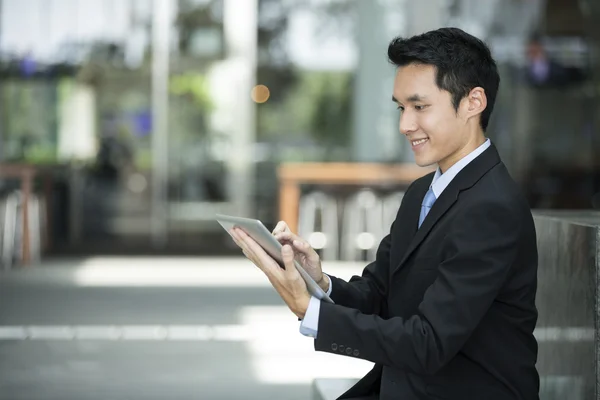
447,311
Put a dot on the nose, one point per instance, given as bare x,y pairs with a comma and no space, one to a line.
408,123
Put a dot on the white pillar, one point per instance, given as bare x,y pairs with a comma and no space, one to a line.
426,15
161,30
376,135
241,36
77,122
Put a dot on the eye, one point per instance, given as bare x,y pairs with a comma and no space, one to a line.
401,108
420,108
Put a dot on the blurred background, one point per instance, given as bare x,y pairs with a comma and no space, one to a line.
125,125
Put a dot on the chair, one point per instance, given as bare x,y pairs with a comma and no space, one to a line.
362,225
9,232
318,223
12,232
390,204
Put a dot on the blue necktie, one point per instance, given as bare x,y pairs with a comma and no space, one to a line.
428,201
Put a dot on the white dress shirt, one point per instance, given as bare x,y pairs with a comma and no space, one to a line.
310,324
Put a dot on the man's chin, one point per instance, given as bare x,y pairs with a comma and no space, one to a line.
424,162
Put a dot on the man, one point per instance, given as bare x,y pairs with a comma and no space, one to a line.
544,72
447,309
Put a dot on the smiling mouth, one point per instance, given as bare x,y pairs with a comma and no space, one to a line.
418,142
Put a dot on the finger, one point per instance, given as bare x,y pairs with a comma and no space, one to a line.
278,228
235,234
238,242
287,255
281,227
284,237
299,244
302,246
291,238
259,256
231,233
287,236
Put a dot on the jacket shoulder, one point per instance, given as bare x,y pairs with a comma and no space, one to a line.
421,182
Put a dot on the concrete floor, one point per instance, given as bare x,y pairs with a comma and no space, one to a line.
155,328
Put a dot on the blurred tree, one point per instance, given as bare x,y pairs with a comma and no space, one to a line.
194,19
331,122
316,110
193,86
305,106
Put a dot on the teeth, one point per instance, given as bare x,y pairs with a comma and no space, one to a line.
418,142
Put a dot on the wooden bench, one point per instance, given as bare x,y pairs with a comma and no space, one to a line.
292,175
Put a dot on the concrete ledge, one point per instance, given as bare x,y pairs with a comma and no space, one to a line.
330,389
551,388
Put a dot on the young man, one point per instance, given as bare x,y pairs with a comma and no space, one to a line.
447,309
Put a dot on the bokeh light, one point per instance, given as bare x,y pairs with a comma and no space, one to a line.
260,94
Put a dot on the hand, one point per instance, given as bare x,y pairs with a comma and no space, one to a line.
303,253
287,282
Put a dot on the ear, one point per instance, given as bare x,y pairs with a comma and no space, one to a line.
475,103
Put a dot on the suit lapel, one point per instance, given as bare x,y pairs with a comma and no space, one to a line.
439,208
465,179
410,217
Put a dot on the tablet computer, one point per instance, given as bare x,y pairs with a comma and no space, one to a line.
257,231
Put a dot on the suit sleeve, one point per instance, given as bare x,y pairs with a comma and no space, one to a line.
366,292
478,254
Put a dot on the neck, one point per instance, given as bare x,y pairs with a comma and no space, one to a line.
473,143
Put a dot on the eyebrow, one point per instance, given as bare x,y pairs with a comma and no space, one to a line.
415,98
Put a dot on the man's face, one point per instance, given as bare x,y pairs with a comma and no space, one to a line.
436,131
535,52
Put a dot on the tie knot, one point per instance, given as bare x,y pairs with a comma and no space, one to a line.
429,198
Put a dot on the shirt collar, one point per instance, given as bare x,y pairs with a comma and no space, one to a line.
441,181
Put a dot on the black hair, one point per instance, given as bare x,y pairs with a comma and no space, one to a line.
462,63
535,38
